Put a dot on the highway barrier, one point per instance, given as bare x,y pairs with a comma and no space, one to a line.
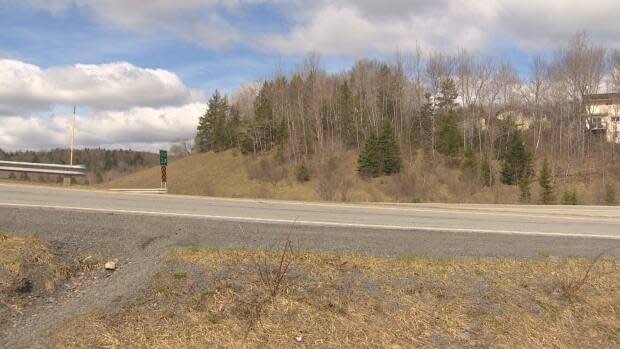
142,191
51,169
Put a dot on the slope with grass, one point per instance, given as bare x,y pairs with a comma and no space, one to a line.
230,174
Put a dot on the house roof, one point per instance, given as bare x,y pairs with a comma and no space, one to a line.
602,98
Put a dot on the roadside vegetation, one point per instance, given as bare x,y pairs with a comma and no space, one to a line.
31,270
246,299
335,178
422,127
286,297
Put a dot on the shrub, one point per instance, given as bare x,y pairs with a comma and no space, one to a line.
302,173
547,197
610,195
570,197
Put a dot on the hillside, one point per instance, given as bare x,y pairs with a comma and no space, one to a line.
231,174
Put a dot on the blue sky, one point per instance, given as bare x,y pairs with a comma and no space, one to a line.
149,65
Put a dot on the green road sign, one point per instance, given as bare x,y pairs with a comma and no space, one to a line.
163,158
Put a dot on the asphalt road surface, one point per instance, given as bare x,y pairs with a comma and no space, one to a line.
442,230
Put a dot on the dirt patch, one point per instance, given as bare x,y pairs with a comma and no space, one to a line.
31,269
236,299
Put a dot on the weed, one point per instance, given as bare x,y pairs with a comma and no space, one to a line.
570,287
273,278
180,275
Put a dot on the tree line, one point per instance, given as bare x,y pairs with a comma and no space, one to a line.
463,107
102,164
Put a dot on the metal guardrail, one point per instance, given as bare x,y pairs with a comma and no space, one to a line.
142,191
52,169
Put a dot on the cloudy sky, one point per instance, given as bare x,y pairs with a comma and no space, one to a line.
140,71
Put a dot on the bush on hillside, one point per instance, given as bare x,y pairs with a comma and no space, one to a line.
302,173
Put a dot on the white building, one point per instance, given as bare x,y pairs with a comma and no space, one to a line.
604,115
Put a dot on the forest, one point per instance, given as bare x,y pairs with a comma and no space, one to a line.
422,113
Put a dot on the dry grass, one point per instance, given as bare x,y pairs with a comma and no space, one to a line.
29,266
328,301
26,266
334,178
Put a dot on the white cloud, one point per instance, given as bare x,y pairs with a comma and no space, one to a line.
26,87
143,128
121,104
362,26
340,29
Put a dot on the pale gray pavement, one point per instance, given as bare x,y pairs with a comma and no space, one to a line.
427,229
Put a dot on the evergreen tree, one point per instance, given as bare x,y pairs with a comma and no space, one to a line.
427,119
570,197
448,94
524,184
545,181
610,195
221,134
389,151
469,163
205,136
346,109
449,142
263,125
486,172
368,163
517,161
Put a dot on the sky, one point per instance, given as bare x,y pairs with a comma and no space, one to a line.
140,72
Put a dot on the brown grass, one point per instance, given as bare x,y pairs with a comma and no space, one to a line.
26,266
29,266
333,178
329,301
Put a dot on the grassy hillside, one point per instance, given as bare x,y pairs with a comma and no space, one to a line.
230,174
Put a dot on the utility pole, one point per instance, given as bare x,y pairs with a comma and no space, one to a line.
72,137
67,179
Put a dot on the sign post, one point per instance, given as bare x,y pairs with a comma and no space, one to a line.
163,161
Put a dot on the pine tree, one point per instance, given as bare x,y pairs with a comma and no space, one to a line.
448,94
346,110
469,163
205,136
389,151
449,142
264,124
547,196
524,184
570,197
610,195
486,172
223,139
368,164
517,161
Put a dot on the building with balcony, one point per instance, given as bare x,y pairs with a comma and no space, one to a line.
603,115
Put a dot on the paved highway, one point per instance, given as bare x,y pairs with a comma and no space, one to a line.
461,229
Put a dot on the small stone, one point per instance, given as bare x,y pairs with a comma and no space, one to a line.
299,339
110,265
464,336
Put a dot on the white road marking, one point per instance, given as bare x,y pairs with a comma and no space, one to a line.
499,210
315,223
